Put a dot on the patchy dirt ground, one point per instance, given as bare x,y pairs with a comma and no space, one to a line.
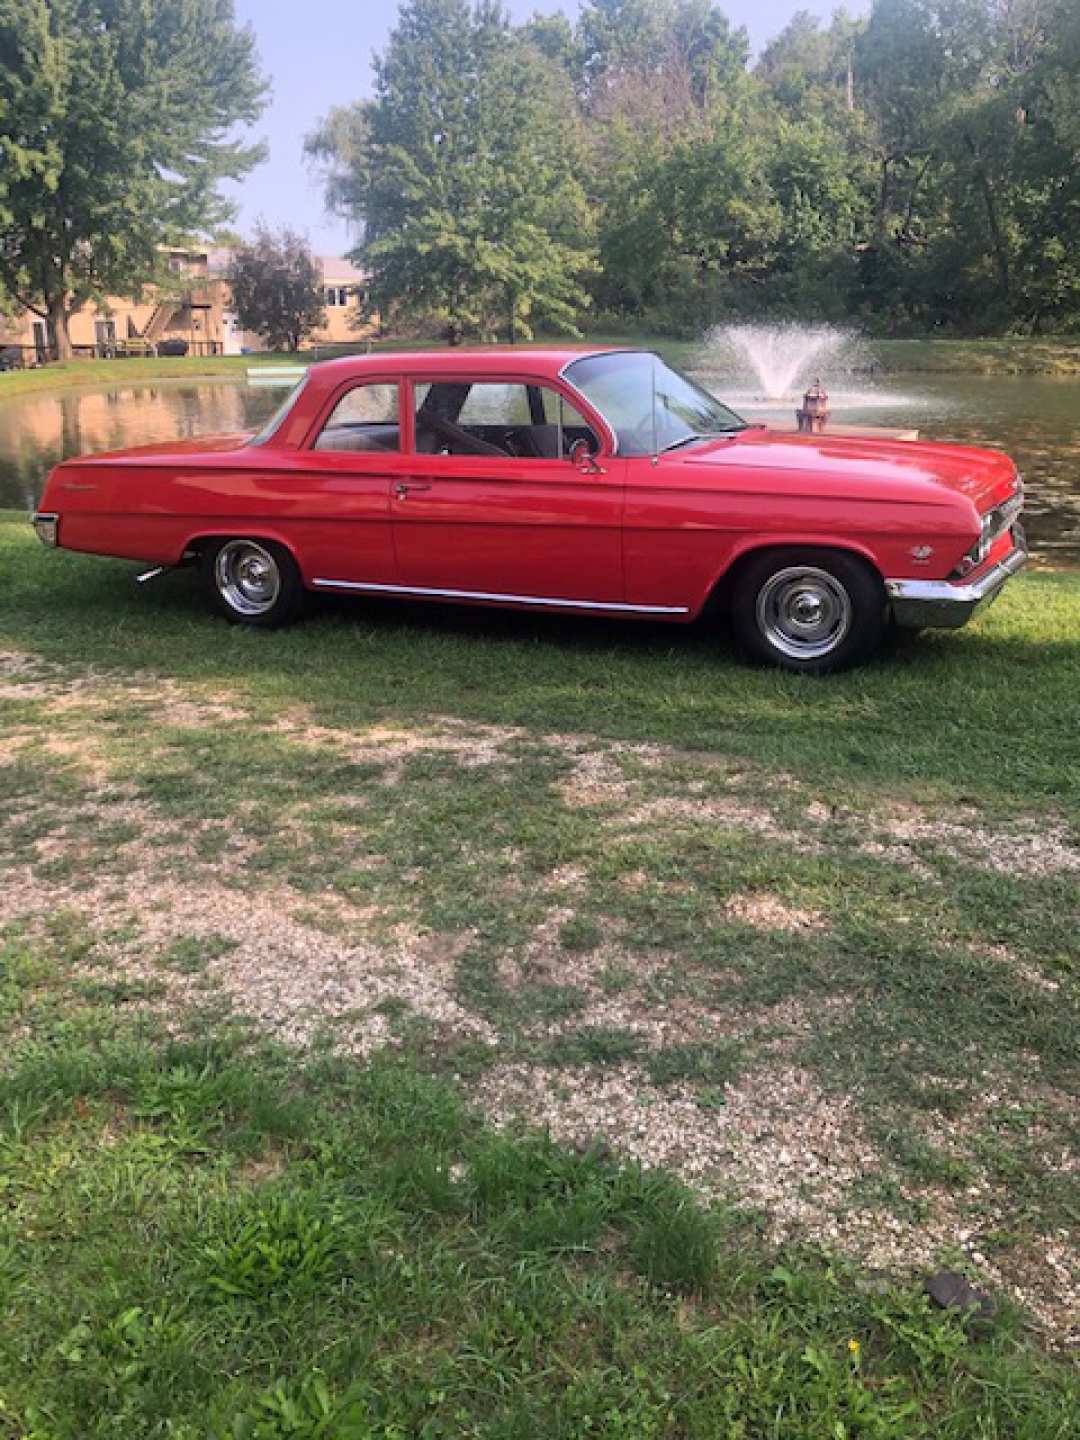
664,950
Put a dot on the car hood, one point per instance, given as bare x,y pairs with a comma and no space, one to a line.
861,461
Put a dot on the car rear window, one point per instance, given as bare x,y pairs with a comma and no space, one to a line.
366,418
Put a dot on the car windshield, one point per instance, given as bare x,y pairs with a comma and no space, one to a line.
650,406
278,418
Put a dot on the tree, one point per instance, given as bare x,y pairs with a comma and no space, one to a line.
918,166
276,287
465,175
648,37
115,131
338,151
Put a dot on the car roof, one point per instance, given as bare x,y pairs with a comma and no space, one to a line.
544,362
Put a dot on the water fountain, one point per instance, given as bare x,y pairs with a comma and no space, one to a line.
782,360
764,370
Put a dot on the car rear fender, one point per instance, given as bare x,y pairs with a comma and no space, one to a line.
198,541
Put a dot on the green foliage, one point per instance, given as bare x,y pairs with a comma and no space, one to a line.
914,168
113,123
276,292
676,1245
463,171
271,1246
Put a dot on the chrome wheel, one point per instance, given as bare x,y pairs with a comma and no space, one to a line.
247,577
804,612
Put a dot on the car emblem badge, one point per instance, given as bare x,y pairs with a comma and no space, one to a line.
921,553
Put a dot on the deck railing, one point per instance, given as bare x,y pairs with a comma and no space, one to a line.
27,357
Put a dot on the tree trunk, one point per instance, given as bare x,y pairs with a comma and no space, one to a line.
881,218
59,335
1001,252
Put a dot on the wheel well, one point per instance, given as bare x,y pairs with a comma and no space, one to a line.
719,597
196,548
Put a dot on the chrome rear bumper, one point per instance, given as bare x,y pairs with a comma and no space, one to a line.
944,604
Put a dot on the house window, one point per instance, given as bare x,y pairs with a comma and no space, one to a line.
337,295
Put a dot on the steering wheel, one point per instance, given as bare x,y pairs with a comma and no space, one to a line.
462,441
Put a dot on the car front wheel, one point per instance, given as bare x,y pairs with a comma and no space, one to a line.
809,611
253,582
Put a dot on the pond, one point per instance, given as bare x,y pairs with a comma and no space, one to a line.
38,430
1036,419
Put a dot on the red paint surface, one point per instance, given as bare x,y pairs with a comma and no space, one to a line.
640,533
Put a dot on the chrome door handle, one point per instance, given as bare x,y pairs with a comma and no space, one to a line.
402,488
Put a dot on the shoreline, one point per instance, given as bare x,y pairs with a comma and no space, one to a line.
1005,357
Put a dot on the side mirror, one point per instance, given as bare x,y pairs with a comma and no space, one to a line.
583,459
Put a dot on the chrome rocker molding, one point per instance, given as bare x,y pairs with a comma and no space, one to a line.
423,591
942,604
46,523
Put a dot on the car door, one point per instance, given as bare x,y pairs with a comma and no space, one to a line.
346,468
496,509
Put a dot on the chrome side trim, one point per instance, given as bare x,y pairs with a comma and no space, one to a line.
544,600
47,525
946,604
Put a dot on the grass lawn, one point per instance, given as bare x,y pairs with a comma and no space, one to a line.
447,1023
74,373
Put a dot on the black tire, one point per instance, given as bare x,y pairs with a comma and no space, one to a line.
812,612
253,582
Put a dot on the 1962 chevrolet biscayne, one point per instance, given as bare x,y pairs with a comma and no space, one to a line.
588,481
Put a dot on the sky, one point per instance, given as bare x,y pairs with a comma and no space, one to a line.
317,53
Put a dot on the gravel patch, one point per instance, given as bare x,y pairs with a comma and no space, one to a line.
769,912
296,965
781,1145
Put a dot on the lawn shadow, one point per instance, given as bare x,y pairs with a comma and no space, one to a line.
987,712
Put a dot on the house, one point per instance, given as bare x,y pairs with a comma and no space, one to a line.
345,297
194,312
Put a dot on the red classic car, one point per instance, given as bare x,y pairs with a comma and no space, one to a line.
588,481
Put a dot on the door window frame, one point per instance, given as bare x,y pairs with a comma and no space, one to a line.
577,402
406,383
310,440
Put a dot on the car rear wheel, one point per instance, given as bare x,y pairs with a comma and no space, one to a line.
253,582
809,611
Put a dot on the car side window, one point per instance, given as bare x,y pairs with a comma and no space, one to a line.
365,419
482,417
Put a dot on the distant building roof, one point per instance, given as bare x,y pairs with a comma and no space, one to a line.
344,272
335,269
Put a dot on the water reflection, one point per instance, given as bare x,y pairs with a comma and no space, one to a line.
37,431
1036,419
